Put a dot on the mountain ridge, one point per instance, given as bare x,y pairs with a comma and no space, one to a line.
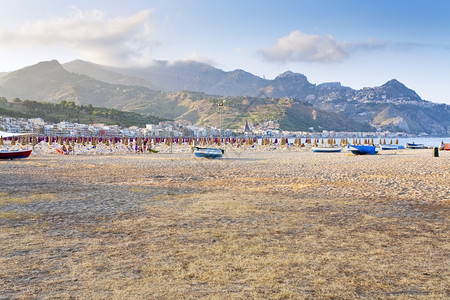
144,90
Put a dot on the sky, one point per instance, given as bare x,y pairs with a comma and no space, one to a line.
359,43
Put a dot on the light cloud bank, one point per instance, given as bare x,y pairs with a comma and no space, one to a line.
303,47
111,41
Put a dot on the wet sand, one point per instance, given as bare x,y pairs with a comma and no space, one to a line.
254,224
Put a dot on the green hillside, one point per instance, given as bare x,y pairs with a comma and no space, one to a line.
69,111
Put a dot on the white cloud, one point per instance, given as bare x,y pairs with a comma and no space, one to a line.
300,46
113,41
194,56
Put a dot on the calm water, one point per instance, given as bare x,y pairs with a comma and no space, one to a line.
428,142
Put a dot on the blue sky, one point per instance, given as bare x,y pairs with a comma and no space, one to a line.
359,43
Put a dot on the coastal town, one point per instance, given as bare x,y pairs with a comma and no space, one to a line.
179,128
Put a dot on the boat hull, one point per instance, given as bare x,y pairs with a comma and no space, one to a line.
14,154
414,146
389,147
363,149
326,149
208,152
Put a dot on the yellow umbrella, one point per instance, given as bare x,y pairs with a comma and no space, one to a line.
1,140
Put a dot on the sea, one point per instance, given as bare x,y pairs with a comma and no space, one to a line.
426,141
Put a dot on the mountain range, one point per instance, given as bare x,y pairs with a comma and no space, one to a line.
191,90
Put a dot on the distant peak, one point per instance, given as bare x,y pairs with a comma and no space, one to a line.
336,84
290,74
43,67
394,82
50,62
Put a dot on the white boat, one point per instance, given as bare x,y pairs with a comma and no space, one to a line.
326,149
208,152
388,147
414,146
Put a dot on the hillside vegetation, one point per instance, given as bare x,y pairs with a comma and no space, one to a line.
69,111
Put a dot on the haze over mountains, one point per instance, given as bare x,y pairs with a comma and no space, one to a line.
191,90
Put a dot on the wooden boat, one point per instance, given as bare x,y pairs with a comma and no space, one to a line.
326,149
388,147
208,152
445,147
414,146
14,154
363,149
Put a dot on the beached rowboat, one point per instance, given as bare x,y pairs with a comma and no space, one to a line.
326,149
14,154
445,147
388,147
208,152
414,146
363,149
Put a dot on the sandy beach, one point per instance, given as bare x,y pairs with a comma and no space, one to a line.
256,224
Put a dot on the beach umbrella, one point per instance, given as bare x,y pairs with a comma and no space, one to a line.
384,141
396,141
390,142
1,140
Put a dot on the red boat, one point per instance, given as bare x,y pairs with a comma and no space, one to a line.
14,154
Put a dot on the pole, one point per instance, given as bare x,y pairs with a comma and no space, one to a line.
220,104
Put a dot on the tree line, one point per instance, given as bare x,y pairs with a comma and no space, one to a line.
71,112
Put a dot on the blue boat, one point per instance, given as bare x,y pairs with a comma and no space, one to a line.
414,146
208,152
363,149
